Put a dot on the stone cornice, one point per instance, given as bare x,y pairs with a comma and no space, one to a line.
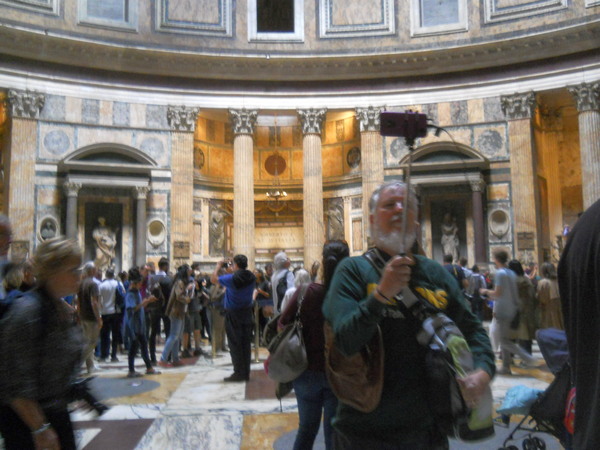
365,64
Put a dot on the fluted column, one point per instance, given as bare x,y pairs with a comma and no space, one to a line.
314,230
477,189
71,191
588,105
371,145
25,108
141,194
519,109
182,121
243,122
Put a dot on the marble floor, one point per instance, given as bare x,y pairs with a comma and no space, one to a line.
190,407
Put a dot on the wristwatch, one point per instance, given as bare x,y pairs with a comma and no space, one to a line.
41,429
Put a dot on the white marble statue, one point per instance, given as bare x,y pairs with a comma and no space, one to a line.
450,242
105,239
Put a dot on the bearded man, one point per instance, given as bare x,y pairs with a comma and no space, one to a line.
360,299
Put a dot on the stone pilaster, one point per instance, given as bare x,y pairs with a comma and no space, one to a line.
182,121
205,238
477,190
518,110
371,145
243,123
314,230
71,192
24,108
141,194
588,105
551,127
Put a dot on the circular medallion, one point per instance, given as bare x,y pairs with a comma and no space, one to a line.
353,157
57,142
275,164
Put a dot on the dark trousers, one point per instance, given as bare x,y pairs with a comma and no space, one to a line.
17,435
110,327
238,326
155,318
138,342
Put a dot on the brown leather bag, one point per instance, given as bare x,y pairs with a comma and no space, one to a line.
356,380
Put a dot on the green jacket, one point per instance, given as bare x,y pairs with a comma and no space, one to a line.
354,314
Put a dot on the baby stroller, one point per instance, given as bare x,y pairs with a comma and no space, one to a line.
547,411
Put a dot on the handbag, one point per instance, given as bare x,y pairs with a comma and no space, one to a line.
288,359
355,380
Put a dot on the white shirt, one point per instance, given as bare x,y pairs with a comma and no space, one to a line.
107,296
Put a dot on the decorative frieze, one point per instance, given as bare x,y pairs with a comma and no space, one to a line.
518,106
182,118
587,96
312,120
243,120
25,104
368,118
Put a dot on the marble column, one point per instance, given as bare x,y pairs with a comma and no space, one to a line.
71,191
314,230
477,190
25,108
141,194
371,145
243,122
519,109
588,105
182,121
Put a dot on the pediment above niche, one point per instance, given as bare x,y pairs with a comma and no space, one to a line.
443,156
108,158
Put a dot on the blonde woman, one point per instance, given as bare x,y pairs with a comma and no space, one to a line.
42,346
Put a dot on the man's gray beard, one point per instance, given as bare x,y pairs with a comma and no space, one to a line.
392,241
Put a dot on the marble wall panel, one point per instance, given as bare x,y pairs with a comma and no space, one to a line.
90,111
106,113
491,141
156,145
459,113
73,109
48,196
431,111
444,114
138,115
93,135
333,162
475,110
54,108
220,162
297,165
395,150
492,109
201,17
56,141
120,113
502,10
355,19
156,117
497,192
157,200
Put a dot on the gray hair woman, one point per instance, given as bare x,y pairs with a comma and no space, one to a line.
39,336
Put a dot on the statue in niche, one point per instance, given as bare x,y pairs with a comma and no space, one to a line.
48,230
450,240
105,239
335,212
217,231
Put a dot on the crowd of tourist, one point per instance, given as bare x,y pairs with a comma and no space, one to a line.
77,315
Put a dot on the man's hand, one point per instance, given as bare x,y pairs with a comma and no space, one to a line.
396,275
473,386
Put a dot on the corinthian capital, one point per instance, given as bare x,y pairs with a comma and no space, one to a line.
243,120
182,118
368,118
71,189
312,120
587,96
26,104
141,192
518,106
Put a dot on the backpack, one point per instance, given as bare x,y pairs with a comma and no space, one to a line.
281,288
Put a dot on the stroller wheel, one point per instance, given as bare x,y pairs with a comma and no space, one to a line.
528,444
539,443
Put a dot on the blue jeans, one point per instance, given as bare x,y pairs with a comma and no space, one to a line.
172,344
314,395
